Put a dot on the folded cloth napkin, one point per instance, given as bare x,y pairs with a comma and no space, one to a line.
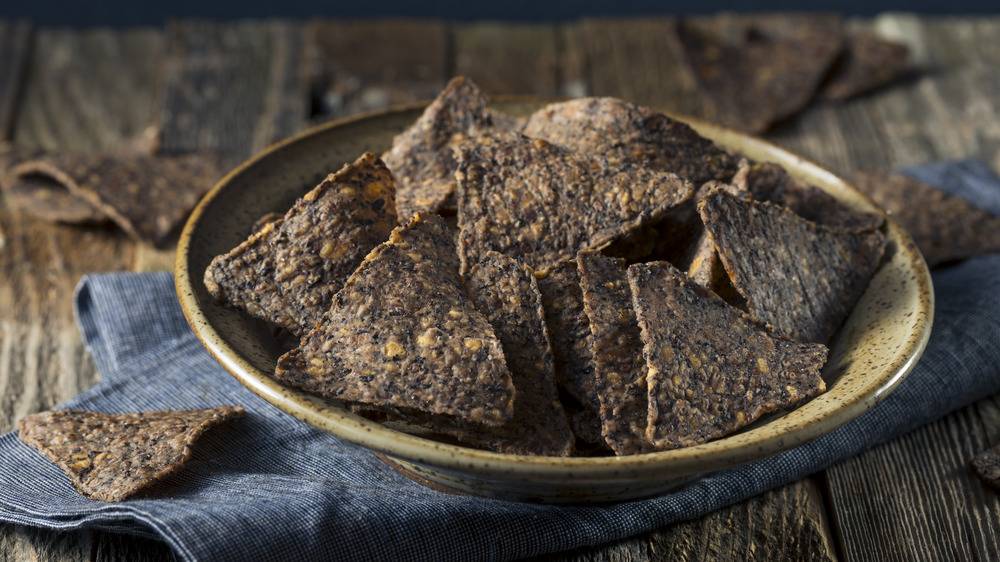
269,486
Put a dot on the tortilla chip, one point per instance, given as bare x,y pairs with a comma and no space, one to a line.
759,80
541,203
801,278
945,227
507,294
620,371
868,63
986,465
402,333
770,182
287,272
110,457
569,330
711,368
622,131
38,195
421,157
148,196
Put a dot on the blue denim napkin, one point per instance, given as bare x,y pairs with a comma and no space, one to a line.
269,487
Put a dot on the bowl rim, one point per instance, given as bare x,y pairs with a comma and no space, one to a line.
752,444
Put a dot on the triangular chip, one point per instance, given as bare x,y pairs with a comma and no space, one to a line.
421,157
289,270
758,80
110,457
147,195
945,227
801,278
868,63
541,203
622,131
770,182
507,294
40,195
711,368
620,371
402,333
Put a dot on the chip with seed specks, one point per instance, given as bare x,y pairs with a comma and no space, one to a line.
945,227
801,278
711,368
541,203
758,80
506,292
288,271
770,182
421,157
110,457
402,333
621,131
619,369
147,195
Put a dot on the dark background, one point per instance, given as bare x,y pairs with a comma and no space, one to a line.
140,12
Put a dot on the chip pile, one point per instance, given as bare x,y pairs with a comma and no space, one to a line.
614,283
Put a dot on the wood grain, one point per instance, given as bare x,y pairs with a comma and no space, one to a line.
356,66
88,90
232,87
509,58
83,90
786,524
916,497
641,61
15,39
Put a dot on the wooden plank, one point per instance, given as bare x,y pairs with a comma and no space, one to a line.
641,61
916,498
509,58
365,65
70,103
232,87
15,38
83,90
786,524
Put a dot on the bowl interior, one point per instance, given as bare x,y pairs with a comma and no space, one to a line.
872,353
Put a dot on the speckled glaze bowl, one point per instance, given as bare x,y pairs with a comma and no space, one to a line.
873,352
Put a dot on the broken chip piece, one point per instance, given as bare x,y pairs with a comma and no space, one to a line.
711,368
289,270
402,333
110,457
801,278
945,227
619,369
421,157
542,203
622,131
986,465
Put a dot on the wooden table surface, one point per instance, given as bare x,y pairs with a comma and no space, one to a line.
238,86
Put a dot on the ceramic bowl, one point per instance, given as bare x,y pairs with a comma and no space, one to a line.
875,349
